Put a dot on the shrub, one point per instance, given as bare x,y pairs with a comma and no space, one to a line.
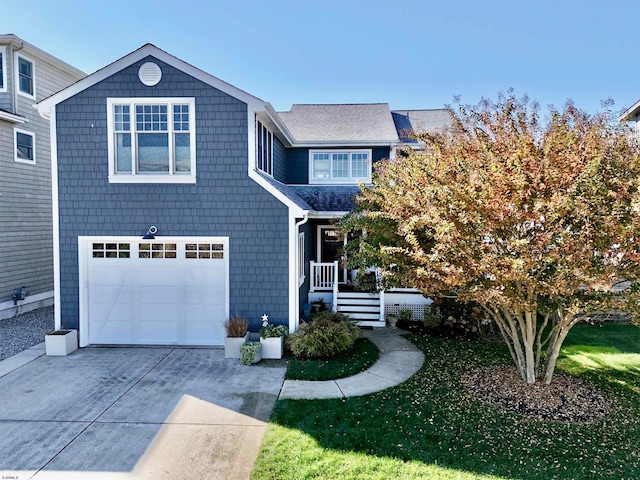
430,318
326,336
236,327
405,315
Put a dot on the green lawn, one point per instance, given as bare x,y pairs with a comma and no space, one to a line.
429,427
363,354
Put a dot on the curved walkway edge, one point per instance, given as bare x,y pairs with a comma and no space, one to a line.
399,360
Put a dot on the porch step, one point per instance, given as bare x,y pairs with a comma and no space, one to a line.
363,307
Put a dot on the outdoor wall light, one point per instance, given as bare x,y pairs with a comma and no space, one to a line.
150,233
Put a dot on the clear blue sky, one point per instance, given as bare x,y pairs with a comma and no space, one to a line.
411,54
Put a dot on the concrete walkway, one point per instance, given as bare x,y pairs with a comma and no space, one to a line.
399,360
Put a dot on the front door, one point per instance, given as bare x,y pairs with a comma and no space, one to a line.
331,248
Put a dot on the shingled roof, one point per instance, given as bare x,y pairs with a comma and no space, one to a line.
328,198
361,122
410,122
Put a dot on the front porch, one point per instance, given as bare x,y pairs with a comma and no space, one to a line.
369,309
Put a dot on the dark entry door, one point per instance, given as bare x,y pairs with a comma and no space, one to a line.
331,248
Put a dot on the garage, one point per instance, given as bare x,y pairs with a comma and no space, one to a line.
165,291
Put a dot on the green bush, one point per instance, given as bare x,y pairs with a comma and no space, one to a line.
430,318
272,331
405,315
326,336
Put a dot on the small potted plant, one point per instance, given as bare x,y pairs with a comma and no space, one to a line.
237,334
61,342
272,338
250,353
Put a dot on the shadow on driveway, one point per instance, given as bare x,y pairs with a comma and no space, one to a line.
135,413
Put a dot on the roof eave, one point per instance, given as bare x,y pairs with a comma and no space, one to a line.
255,103
10,117
347,143
631,112
32,49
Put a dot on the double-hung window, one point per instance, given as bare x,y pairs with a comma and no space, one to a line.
340,166
264,149
3,69
152,140
25,76
24,146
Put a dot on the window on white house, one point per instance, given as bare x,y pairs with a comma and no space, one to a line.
26,76
301,276
3,69
264,149
25,150
152,140
341,166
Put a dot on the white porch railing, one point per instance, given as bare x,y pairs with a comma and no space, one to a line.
324,276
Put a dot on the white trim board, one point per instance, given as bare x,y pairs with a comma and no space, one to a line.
149,50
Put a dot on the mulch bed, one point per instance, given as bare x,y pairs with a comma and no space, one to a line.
567,399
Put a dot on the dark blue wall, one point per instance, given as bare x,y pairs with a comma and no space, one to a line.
279,161
298,162
223,202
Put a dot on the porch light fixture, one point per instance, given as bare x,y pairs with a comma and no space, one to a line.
150,233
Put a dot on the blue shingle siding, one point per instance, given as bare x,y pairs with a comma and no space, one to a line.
223,202
298,162
279,161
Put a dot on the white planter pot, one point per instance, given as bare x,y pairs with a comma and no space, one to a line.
60,345
272,347
232,346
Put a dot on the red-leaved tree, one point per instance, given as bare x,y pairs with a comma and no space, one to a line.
534,219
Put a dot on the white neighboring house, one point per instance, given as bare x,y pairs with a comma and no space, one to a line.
632,117
27,75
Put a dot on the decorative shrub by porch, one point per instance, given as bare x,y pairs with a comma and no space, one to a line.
273,331
327,335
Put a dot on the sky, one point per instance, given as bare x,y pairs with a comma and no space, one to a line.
412,54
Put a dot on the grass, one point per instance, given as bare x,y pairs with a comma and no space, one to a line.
359,358
429,427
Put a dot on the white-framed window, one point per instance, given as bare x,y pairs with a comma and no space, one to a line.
25,69
24,146
151,140
301,276
264,149
3,69
339,166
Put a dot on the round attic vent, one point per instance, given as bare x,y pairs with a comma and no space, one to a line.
150,74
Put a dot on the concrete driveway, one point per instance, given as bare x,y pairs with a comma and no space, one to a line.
135,413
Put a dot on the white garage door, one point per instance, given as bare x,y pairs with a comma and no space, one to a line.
158,292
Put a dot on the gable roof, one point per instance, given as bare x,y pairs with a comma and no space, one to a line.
348,124
44,106
411,122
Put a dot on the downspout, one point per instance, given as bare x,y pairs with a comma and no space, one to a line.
16,74
296,229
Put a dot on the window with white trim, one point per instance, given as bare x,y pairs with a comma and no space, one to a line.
301,276
25,76
3,69
24,146
151,140
264,149
339,166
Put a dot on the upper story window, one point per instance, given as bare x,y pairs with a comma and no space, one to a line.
25,149
25,76
3,69
339,166
264,149
152,140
